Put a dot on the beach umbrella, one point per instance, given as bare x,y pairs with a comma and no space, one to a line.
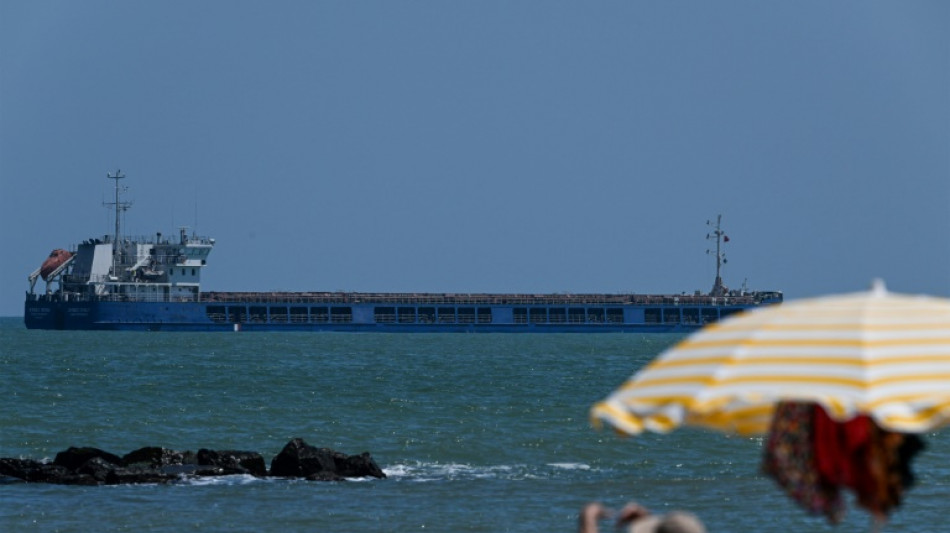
849,379
876,353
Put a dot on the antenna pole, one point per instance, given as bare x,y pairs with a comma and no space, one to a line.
718,250
718,288
119,206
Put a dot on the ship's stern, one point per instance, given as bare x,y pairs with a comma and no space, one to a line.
57,314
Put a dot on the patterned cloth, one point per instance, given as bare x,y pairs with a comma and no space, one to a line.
790,460
859,455
813,457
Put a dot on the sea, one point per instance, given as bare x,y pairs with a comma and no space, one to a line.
475,432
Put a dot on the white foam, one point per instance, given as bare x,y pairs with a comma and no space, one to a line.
570,466
423,472
235,479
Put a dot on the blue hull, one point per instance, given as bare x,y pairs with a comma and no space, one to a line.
369,317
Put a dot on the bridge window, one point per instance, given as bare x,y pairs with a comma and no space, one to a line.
466,315
446,315
278,315
691,316
520,315
298,314
257,314
407,315
216,313
615,315
237,314
595,315
538,315
671,315
575,315
341,315
319,314
384,315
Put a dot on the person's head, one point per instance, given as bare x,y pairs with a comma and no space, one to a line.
673,522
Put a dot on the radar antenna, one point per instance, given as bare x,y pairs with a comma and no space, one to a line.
119,208
718,288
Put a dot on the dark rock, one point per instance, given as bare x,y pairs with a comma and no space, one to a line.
359,466
98,469
31,470
92,466
139,474
73,458
233,462
155,456
299,459
38,472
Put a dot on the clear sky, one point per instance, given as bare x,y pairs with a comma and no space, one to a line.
523,146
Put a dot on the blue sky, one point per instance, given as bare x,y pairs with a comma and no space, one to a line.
486,146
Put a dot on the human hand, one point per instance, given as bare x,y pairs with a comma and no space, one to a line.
631,512
590,515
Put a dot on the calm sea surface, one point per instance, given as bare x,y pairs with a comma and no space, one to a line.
476,433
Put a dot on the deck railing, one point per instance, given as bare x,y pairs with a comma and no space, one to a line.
353,298
474,299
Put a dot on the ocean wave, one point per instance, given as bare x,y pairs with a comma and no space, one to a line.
425,471
570,466
234,479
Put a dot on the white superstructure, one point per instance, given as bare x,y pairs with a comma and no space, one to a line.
133,268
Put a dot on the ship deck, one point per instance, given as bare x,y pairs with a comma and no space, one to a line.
480,298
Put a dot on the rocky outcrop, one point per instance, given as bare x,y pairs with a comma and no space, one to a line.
153,456
299,459
230,462
73,458
94,471
33,471
92,466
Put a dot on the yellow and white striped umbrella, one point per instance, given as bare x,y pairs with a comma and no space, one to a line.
877,353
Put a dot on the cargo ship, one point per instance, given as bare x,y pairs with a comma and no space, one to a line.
117,282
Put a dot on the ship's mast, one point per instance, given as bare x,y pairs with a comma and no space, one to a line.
119,207
718,288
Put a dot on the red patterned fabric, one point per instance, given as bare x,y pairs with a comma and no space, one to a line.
812,457
789,459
